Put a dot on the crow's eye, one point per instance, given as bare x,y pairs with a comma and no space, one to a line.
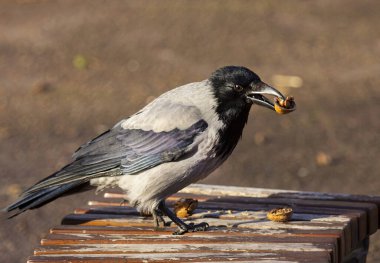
238,88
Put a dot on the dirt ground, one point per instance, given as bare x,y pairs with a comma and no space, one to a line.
71,69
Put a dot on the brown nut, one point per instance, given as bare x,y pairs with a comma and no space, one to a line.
280,214
281,102
288,103
185,207
282,106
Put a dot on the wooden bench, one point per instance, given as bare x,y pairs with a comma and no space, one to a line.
323,228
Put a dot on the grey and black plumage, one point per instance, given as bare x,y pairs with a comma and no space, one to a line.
177,139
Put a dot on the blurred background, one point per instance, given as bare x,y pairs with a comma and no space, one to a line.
71,69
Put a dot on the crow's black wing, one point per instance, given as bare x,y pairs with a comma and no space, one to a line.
124,151
116,152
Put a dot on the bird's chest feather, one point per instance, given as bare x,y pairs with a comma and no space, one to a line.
230,132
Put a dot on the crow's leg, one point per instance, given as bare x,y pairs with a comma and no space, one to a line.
182,226
158,218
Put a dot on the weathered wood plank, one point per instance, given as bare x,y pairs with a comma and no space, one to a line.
259,220
204,240
219,232
312,215
324,228
184,248
331,223
70,239
279,257
230,209
222,190
219,190
368,208
367,212
348,241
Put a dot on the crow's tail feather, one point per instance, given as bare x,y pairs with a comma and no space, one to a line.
31,200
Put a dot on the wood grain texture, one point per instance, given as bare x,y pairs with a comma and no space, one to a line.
323,228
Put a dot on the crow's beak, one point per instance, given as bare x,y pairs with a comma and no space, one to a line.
257,92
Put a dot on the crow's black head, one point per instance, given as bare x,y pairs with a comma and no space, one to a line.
237,88
232,76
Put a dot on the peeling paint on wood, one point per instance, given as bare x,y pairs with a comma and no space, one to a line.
323,228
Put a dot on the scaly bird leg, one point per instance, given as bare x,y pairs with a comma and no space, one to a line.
158,218
182,226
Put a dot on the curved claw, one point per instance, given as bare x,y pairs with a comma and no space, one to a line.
192,228
182,226
199,227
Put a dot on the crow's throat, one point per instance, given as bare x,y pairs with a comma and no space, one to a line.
234,121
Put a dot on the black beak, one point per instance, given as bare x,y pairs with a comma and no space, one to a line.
255,95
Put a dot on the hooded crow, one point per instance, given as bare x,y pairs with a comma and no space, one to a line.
177,139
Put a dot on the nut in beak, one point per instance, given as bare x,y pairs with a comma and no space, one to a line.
282,106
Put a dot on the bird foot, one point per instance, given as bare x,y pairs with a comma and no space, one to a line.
158,218
191,228
182,226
